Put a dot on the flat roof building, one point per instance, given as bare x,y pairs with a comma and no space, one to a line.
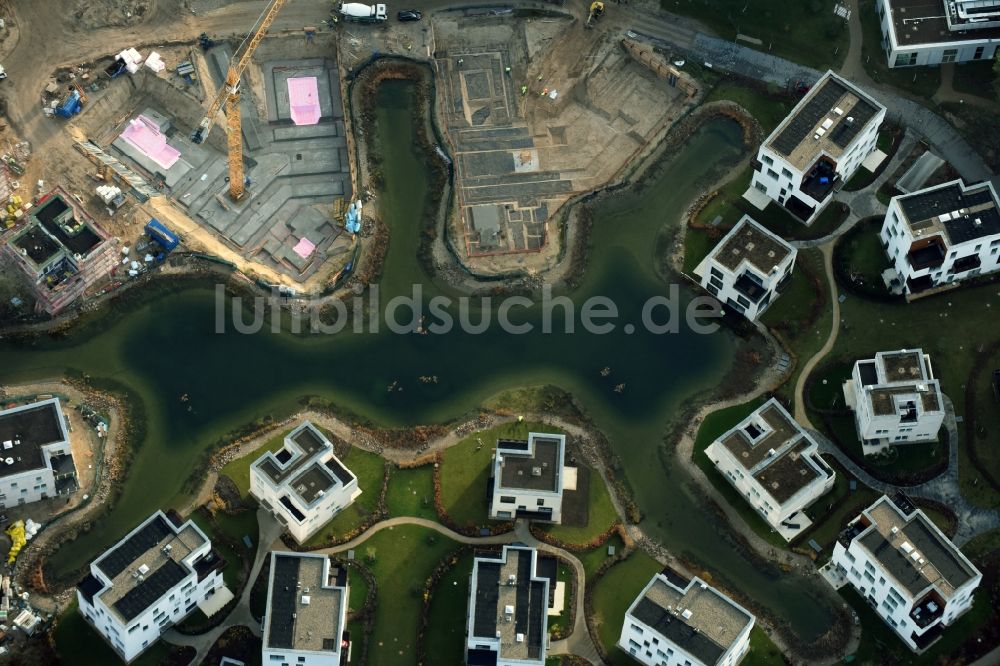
941,235
150,580
306,615
36,457
895,399
934,32
528,477
507,622
674,621
748,269
818,146
774,463
914,577
303,484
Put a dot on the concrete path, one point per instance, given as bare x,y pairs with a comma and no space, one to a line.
945,488
807,368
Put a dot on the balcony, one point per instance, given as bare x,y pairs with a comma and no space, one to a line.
966,264
749,287
928,253
927,611
799,208
820,180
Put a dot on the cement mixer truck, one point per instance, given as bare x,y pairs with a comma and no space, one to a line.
356,11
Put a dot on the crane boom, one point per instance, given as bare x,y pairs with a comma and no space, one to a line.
229,94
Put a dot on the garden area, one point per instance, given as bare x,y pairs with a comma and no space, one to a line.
806,32
859,261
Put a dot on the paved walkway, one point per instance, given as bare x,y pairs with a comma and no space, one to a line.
945,488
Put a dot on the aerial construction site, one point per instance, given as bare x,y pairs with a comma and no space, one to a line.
234,145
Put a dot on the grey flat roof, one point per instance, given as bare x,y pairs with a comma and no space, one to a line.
492,593
539,471
304,609
965,213
751,242
918,22
34,427
830,93
712,625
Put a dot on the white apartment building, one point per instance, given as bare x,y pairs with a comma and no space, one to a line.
941,235
748,269
818,147
677,622
306,618
304,484
906,569
775,464
149,581
895,398
932,32
507,623
36,459
528,478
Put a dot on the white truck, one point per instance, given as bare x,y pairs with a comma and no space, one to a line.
357,11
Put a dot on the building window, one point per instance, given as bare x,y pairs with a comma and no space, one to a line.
507,499
786,173
772,174
949,55
541,502
767,159
906,59
978,55
715,272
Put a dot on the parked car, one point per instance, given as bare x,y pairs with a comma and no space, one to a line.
409,15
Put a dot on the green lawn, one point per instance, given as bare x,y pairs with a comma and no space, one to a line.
789,313
613,594
465,471
860,252
950,327
826,387
920,82
601,515
445,638
358,587
370,470
831,513
401,558
565,575
593,558
411,492
769,108
975,78
238,469
234,554
78,643
763,651
987,416
697,244
806,31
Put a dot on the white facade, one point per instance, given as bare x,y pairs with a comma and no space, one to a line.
675,624
748,268
149,581
934,32
775,464
306,614
818,147
911,574
896,399
36,459
942,235
507,612
304,484
528,478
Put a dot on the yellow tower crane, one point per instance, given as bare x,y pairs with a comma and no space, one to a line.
229,94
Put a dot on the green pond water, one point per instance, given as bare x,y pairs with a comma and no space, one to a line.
167,347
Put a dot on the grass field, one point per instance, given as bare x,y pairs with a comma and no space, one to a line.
805,31
233,528
370,471
465,471
401,558
601,514
612,596
593,558
769,108
411,492
445,638
975,78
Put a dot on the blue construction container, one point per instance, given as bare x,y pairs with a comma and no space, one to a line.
167,239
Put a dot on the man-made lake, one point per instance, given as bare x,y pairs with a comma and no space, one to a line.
168,347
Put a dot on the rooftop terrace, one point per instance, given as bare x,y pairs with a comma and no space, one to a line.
930,22
789,473
750,242
306,603
826,120
962,213
538,470
24,431
748,443
696,618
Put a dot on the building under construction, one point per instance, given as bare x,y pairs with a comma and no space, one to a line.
61,252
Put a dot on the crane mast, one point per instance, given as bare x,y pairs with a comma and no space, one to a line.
229,95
